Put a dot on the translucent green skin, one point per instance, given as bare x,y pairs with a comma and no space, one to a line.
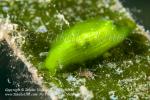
85,41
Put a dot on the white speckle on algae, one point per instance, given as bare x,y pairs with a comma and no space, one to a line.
5,28
119,71
85,93
134,97
148,59
5,8
111,65
75,82
42,29
37,20
61,18
70,78
112,95
44,1
43,54
127,63
55,93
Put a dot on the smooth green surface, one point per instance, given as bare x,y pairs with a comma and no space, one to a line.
85,41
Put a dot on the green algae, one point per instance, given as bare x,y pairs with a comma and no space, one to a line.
124,70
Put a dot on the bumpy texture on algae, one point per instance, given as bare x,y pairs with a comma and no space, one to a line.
122,73
85,41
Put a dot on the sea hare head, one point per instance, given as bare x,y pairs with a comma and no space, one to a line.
85,41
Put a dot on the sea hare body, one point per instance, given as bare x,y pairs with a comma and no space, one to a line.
84,41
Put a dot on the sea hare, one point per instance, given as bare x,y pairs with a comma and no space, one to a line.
85,41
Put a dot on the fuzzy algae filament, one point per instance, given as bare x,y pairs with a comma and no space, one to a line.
85,41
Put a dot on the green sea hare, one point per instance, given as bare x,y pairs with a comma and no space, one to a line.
86,41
